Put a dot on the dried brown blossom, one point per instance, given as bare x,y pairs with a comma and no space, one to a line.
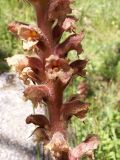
58,145
58,68
76,108
30,68
30,35
37,93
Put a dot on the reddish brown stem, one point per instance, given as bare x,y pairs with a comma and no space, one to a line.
54,106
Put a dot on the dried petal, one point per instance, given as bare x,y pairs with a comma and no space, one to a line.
21,64
65,76
85,148
24,31
39,120
28,45
24,75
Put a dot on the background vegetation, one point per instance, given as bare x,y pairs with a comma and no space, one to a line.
101,21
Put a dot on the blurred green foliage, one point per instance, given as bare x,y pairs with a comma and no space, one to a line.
100,20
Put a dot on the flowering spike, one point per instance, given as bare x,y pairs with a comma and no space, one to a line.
47,72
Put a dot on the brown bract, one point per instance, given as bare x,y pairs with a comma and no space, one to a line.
76,108
73,42
39,120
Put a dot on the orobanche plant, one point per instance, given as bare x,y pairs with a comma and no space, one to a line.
47,72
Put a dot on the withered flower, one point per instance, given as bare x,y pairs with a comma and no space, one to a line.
58,68
85,148
30,35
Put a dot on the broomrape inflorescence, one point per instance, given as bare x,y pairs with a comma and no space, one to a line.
50,71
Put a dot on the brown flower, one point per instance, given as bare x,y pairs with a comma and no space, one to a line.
30,68
74,108
37,93
30,35
58,145
85,148
58,68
